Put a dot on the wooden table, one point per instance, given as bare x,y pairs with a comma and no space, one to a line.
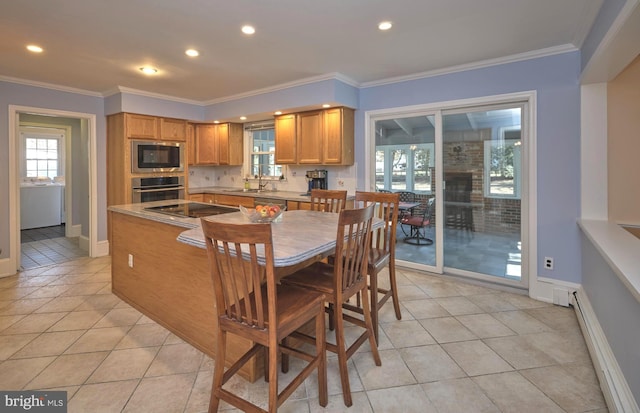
299,239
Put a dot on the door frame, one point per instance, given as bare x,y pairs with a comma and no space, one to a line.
14,172
529,179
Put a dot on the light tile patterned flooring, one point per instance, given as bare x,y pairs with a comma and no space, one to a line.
47,246
458,348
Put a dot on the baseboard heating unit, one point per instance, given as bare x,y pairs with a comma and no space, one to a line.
615,388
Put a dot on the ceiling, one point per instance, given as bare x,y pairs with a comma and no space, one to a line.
97,45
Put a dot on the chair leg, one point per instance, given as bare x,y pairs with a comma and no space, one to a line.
373,284
369,326
285,357
332,321
321,353
273,378
394,290
342,355
218,371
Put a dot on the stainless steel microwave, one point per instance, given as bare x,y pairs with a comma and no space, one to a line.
149,156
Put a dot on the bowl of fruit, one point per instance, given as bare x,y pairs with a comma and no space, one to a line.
263,213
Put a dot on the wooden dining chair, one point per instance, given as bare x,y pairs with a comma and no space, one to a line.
250,304
328,200
341,281
381,254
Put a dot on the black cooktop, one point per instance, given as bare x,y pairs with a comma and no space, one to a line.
191,209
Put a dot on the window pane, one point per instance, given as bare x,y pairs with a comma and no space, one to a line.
380,169
421,173
262,156
399,169
502,168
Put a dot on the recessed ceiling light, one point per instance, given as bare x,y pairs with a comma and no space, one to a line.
326,105
216,121
277,113
35,49
147,70
192,53
248,29
243,118
384,25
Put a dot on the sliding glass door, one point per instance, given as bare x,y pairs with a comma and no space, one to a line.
461,171
482,181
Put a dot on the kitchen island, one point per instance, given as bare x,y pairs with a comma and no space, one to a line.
160,267
166,280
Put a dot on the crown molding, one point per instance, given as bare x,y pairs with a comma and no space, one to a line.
301,82
51,86
550,51
138,92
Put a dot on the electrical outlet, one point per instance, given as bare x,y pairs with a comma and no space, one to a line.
548,263
131,260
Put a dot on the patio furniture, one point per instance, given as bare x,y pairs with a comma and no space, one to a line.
419,222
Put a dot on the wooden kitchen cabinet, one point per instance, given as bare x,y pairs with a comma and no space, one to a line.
322,137
218,144
234,200
206,145
140,126
173,129
338,135
196,197
309,137
285,139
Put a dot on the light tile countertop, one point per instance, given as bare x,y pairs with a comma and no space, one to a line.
285,195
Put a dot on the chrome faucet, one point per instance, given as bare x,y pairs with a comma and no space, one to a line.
261,186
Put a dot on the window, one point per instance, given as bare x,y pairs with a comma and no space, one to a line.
405,167
262,152
43,154
502,165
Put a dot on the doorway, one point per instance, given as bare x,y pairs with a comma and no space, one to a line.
79,177
462,165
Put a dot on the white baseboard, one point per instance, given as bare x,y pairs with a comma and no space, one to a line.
102,249
553,291
74,231
7,267
614,386
83,243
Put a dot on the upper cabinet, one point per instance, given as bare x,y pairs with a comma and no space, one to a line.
321,137
218,144
173,129
152,127
140,126
285,139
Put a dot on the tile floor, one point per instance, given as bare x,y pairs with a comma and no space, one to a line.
47,246
458,348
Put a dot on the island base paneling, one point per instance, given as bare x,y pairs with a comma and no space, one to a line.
170,283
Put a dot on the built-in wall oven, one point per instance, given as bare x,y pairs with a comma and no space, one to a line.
157,188
149,156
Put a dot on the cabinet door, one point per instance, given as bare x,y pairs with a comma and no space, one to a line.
206,145
338,136
222,136
141,126
209,198
234,145
310,137
196,197
173,129
285,139
234,200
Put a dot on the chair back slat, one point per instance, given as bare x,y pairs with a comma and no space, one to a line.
237,275
353,242
383,238
328,200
